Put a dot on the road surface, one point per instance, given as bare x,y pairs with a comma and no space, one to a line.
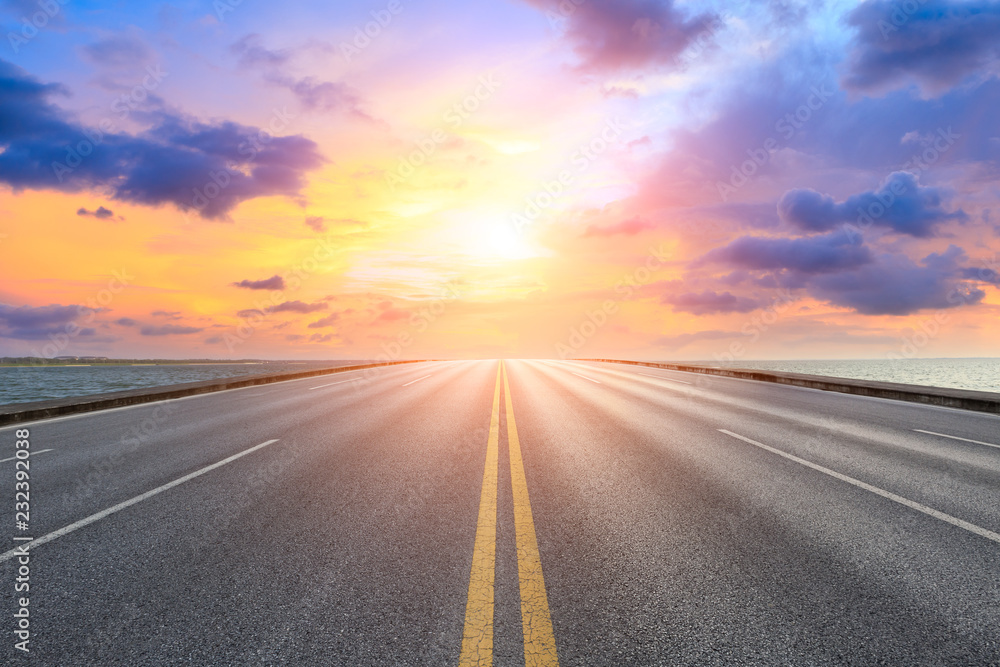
445,513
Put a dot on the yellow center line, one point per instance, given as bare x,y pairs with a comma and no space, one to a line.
477,638
539,641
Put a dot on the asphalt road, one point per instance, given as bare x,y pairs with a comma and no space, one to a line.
629,516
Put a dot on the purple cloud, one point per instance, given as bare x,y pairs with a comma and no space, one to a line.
315,95
856,134
297,307
251,52
169,330
38,322
811,255
208,167
118,51
899,203
848,275
612,35
275,282
101,213
710,302
312,93
328,321
934,42
982,274
894,285
316,223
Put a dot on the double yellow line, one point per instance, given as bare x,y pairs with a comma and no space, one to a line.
477,639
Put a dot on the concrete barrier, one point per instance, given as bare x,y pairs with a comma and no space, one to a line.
963,399
16,413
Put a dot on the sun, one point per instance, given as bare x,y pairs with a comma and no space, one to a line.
490,238
505,242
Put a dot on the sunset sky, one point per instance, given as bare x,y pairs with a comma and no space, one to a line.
506,178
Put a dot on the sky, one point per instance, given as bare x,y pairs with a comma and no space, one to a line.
640,179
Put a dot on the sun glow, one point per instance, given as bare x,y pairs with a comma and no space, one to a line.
499,241
487,238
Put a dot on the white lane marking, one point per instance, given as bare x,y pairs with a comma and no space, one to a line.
955,437
128,503
330,385
417,380
33,453
661,377
586,378
930,511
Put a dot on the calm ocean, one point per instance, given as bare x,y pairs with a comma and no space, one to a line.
978,374
39,383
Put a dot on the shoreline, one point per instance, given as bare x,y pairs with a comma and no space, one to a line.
17,413
963,399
